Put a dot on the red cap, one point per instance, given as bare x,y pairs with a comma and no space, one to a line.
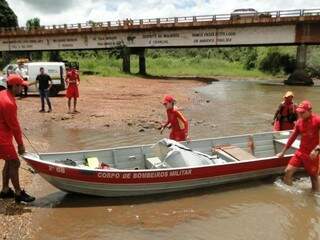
14,79
304,106
168,99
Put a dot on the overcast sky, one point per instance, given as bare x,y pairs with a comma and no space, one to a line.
79,11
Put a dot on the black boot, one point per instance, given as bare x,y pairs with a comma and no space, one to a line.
24,197
8,194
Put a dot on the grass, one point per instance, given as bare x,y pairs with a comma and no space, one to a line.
170,66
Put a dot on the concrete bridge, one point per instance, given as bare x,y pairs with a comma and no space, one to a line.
292,27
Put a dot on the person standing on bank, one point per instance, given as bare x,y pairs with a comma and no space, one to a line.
9,129
44,83
176,121
22,72
72,82
285,115
307,126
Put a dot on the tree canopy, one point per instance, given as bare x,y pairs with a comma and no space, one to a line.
7,17
33,23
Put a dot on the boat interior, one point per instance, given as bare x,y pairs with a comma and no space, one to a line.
203,152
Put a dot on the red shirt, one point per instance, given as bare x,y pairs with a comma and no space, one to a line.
9,125
309,131
72,77
177,121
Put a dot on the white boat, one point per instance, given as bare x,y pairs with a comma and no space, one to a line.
164,167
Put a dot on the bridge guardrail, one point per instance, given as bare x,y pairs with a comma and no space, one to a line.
161,21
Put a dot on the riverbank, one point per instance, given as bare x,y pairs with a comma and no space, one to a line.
110,103
169,65
105,104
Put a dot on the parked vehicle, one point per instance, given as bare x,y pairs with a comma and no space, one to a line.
167,166
247,13
56,70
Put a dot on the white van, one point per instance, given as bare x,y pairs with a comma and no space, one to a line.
56,70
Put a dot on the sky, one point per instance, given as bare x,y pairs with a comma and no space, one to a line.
55,12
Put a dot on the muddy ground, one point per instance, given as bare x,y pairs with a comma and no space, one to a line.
105,104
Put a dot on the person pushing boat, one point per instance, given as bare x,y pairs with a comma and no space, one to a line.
176,121
9,128
307,126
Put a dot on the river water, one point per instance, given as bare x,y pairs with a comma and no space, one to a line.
250,210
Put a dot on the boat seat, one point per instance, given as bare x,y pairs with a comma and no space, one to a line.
155,163
233,153
295,144
93,162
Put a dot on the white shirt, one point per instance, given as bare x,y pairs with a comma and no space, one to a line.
22,72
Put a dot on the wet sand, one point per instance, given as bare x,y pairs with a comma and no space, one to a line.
105,104
113,112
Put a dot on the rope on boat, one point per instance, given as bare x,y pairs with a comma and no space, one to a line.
34,149
30,170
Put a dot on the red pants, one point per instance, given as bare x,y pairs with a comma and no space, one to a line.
310,165
72,91
178,136
8,152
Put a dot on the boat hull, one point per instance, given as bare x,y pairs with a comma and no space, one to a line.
115,183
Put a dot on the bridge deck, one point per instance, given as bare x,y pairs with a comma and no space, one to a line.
223,20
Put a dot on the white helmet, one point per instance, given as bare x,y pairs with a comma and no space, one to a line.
3,82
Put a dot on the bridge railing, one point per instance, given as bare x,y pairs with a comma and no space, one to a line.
162,21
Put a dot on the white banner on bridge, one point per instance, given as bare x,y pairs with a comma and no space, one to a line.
164,38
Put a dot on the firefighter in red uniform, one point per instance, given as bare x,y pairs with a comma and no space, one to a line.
176,121
286,115
307,126
72,81
9,128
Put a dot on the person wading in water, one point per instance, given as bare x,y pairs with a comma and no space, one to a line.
285,115
307,126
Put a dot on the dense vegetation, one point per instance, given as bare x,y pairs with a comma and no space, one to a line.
7,17
238,61
33,23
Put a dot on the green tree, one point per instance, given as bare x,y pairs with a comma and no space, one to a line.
30,24
271,63
250,59
7,17
33,23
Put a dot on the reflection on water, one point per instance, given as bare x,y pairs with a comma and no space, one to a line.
251,210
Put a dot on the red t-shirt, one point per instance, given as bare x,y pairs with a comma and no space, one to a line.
72,77
309,131
177,121
9,125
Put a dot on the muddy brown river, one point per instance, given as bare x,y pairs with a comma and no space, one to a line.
250,210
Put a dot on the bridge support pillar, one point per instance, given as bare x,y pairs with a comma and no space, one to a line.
300,76
127,52
6,58
301,56
142,62
126,60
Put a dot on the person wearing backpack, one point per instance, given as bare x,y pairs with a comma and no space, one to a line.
285,116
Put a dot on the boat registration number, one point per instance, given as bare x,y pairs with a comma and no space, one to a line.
57,169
